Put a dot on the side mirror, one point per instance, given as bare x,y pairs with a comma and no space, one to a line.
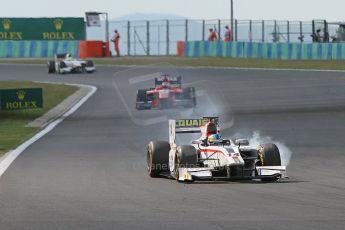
200,142
241,142
226,142
197,142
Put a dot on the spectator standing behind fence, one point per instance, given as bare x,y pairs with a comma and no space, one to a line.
228,34
317,36
116,40
213,36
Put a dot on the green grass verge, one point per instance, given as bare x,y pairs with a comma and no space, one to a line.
206,61
12,123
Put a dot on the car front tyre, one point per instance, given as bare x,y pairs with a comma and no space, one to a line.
269,156
157,157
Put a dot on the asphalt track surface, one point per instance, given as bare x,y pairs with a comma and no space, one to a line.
89,172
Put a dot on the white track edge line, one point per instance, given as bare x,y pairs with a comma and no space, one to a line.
202,67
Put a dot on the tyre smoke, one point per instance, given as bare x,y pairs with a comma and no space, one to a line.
255,139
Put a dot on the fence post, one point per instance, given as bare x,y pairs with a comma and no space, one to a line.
168,40
232,15
203,30
288,31
135,41
236,33
263,31
250,31
159,40
106,27
219,30
186,31
128,38
275,38
301,30
148,37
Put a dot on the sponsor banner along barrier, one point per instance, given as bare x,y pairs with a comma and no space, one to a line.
47,49
18,99
42,29
282,51
37,49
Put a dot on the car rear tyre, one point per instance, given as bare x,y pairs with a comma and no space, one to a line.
269,156
51,67
89,64
141,97
157,157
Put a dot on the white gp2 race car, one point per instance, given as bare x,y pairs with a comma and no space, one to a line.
224,159
64,63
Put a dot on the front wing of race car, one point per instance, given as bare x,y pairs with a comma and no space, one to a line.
66,69
261,172
144,105
176,103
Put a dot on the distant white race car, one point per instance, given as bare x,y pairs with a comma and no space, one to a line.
64,63
222,159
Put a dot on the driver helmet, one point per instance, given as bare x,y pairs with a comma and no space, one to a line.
214,137
165,84
165,77
69,57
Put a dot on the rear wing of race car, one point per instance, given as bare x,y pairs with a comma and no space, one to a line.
187,126
177,81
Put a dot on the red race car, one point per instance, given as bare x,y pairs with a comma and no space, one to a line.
168,93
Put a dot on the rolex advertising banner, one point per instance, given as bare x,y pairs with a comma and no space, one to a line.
42,29
18,99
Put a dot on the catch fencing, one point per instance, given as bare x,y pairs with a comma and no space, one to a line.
160,37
